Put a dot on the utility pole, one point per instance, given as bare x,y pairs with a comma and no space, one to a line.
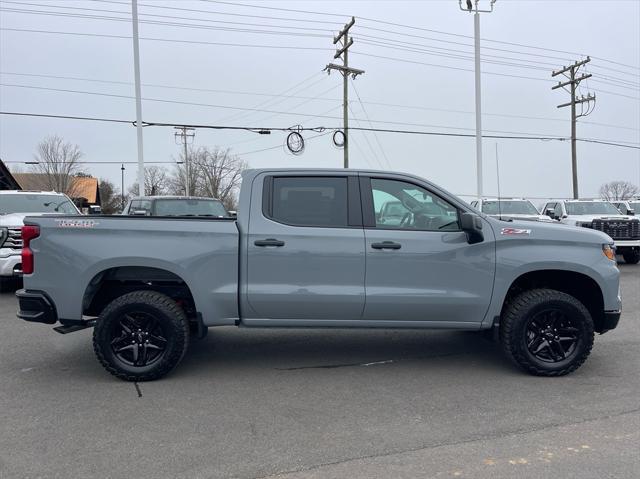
572,82
136,71
346,42
478,84
183,135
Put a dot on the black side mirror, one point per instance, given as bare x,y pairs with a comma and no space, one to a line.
631,212
551,213
472,225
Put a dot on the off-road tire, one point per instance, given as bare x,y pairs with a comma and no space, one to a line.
517,316
166,312
631,257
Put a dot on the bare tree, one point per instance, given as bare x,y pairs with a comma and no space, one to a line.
58,163
219,174
618,190
110,199
156,182
179,177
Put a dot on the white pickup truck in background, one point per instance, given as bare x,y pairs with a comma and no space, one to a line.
15,205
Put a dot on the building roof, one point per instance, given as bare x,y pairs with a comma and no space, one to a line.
7,180
82,187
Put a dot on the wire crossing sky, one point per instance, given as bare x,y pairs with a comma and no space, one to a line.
251,65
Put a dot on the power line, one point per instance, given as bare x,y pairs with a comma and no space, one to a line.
317,97
168,40
322,129
161,23
388,122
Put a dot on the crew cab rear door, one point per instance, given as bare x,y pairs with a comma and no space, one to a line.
422,268
305,248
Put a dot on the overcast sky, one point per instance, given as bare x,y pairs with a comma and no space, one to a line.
418,78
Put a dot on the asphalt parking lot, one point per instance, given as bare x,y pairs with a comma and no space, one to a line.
319,404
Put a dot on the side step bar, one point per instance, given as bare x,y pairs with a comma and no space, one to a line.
72,328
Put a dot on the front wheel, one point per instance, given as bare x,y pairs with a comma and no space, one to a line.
141,336
631,256
546,332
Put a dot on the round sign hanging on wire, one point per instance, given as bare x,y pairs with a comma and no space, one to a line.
295,143
338,138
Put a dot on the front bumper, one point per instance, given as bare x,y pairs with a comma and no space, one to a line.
10,262
609,321
36,306
626,243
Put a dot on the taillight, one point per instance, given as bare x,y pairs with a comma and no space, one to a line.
28,233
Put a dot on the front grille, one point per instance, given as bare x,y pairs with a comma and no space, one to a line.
617,229
14,239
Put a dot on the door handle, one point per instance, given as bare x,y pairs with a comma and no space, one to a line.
386,245
269,242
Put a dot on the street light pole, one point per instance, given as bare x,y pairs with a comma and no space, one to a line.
478,84
122,188
136,71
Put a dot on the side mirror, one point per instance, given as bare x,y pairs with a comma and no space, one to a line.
233,214
551,213
472,225
631,212
139,213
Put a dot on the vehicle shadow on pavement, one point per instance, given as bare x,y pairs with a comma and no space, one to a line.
295,350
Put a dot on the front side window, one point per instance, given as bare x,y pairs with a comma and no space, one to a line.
310,201
401,205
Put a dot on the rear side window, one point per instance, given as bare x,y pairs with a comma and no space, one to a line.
309,201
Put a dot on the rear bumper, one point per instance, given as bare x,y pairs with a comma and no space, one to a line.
36,306
609,321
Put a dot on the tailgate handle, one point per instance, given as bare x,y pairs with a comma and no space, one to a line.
386,245
269,242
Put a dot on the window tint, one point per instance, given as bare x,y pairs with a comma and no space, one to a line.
310,201
400,205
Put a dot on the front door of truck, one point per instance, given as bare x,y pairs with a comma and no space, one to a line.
305,248
420,266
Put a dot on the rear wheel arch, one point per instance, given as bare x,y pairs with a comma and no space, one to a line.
114,282
579,285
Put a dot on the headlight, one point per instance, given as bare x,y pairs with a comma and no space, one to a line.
609,251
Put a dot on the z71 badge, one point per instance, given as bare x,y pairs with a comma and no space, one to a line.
77,223
514,231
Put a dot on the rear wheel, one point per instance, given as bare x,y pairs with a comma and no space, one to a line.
546,332
631,256
141,336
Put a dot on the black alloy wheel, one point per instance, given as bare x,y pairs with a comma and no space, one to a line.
138,339
552,336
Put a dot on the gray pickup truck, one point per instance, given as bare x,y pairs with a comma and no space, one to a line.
309,250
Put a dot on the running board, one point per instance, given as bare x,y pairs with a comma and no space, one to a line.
72,328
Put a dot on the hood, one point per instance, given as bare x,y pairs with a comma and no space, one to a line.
550,231
523,217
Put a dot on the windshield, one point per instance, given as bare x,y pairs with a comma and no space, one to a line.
513,207
27,203
189,207
591,208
